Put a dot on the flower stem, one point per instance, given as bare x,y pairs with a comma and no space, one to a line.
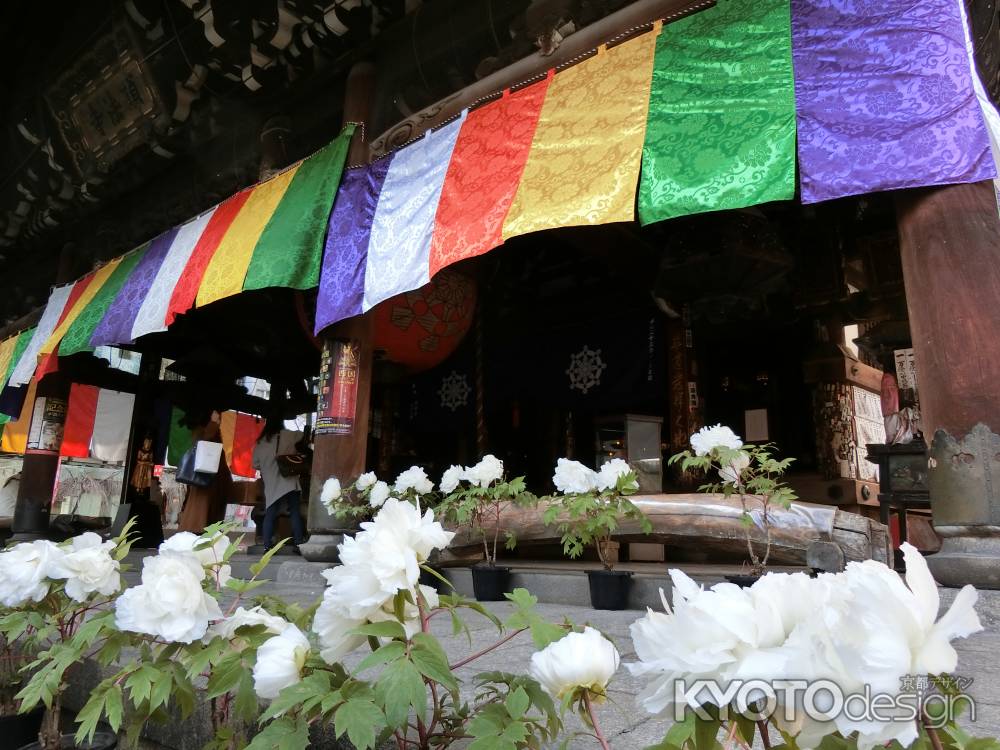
931,731
593,721
498,644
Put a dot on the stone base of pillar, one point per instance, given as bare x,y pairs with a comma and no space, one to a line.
964,482
969,554
322,547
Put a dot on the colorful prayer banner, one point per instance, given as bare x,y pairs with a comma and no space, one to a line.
12,397
15,432
24,369
289,252
721,127
112,423
248,429
80,418
884,97
342,281
483,175
116,325
400,244
152,313
77,338
584,160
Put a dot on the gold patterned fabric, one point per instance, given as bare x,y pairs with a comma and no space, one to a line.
584,160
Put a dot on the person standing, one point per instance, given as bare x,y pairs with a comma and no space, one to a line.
279,490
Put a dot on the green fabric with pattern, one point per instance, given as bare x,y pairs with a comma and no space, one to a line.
720,132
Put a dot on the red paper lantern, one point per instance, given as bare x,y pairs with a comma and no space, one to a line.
420,329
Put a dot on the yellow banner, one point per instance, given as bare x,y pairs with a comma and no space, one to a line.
15,433
583,166
6,352
228,267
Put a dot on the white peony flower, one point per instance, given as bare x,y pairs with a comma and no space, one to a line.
699,639
365,481
577,661
705,440
379,494
379,561
245,618
331,493
25,570
573,477
170,602
333,628
414,479
210,556
861,629
451,479
279,662
611,472
729,474
419,532
88,567
486,472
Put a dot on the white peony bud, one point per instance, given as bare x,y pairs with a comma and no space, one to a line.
365,481
279,662
331,493
577,661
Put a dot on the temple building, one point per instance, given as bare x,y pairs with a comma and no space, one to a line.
421,231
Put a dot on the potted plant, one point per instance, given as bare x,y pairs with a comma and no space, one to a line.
16,728
54,595
591,506
477,496
753,474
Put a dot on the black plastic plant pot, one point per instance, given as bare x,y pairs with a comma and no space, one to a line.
429,579
20,729
490,583
101,741
609,589
744,581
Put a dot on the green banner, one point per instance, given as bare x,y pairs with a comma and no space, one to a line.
290,249
721,124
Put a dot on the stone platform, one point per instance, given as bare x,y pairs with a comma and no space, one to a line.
562,591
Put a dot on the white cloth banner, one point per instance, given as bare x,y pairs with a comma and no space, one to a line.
153,310
24,370
109,441
990,114
400,244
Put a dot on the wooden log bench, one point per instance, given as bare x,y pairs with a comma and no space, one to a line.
711,524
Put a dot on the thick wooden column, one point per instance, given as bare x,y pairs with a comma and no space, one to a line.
344,455
40,466
950,245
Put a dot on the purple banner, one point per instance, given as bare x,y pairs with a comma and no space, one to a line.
116,325
885,98
342,280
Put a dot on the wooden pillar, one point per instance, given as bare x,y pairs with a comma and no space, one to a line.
40,467
344,455
949,240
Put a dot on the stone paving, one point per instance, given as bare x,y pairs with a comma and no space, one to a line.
626,725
